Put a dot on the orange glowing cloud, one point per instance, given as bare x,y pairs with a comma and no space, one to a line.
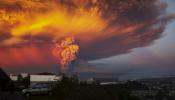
50,18
25,56
102,28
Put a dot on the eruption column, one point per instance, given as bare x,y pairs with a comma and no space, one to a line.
66,52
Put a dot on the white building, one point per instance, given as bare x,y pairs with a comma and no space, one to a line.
36,78
44,78
24,75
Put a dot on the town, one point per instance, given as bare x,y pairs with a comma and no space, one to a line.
160,88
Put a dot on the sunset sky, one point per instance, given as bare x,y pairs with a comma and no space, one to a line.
125,38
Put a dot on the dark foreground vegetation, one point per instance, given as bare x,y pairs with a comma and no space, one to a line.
72,89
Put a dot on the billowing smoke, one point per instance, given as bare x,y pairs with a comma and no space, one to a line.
66,52
102,28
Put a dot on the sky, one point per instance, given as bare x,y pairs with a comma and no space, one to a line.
155,60
132,40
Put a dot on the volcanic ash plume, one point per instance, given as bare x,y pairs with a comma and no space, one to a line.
103,28
66,52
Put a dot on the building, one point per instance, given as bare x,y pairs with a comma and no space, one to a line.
44,77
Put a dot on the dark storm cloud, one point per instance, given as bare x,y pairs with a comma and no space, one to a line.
146,20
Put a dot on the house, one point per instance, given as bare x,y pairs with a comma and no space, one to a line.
44,77
24,80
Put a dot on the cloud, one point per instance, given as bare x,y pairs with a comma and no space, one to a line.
13,41
80,65
102,28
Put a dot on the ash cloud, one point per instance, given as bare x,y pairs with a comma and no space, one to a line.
135,23
129,24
